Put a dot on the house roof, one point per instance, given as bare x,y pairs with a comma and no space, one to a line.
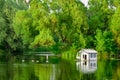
88,51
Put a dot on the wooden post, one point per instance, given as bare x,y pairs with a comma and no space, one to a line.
46,58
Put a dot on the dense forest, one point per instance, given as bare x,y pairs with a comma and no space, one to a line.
59,26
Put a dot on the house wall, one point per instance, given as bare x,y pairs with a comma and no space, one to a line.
87,56
92,56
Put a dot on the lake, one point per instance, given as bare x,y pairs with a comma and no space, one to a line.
59,69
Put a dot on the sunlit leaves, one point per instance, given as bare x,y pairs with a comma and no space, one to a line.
115,25
33,24
104,41
22,21
43,39
49,19
100,43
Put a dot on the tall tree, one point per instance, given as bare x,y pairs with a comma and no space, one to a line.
62,20
71,22
33,26
99,14
100,41
115,25
9,42
99,17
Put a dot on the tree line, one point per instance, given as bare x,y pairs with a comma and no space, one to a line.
59,25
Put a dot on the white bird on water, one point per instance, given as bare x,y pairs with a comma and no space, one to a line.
33,60
37,61
23,60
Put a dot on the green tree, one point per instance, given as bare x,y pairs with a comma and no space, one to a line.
8,40
30,26
61,22
105,42
99,14
2,30
115,28
110,45
70,23
99,17
100,42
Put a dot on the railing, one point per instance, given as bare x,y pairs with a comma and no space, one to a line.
43,54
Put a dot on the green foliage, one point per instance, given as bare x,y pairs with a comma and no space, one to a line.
105,41
99,15
70,53
31,25
115,28
44,21
110,44
56,25
90,41
2,30
21,27
43,39
99,20
8,39
100,42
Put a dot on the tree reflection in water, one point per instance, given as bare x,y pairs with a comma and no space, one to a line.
63,70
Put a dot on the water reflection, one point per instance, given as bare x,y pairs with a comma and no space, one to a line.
17,72
45,71
63,70
87,66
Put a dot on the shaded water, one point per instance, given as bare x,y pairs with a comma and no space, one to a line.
61,70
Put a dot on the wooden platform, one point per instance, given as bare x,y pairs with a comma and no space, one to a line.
43,53
46,54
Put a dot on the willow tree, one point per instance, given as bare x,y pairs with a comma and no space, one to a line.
30,26
48,22
71,23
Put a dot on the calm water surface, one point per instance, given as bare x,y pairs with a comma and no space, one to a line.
60,70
